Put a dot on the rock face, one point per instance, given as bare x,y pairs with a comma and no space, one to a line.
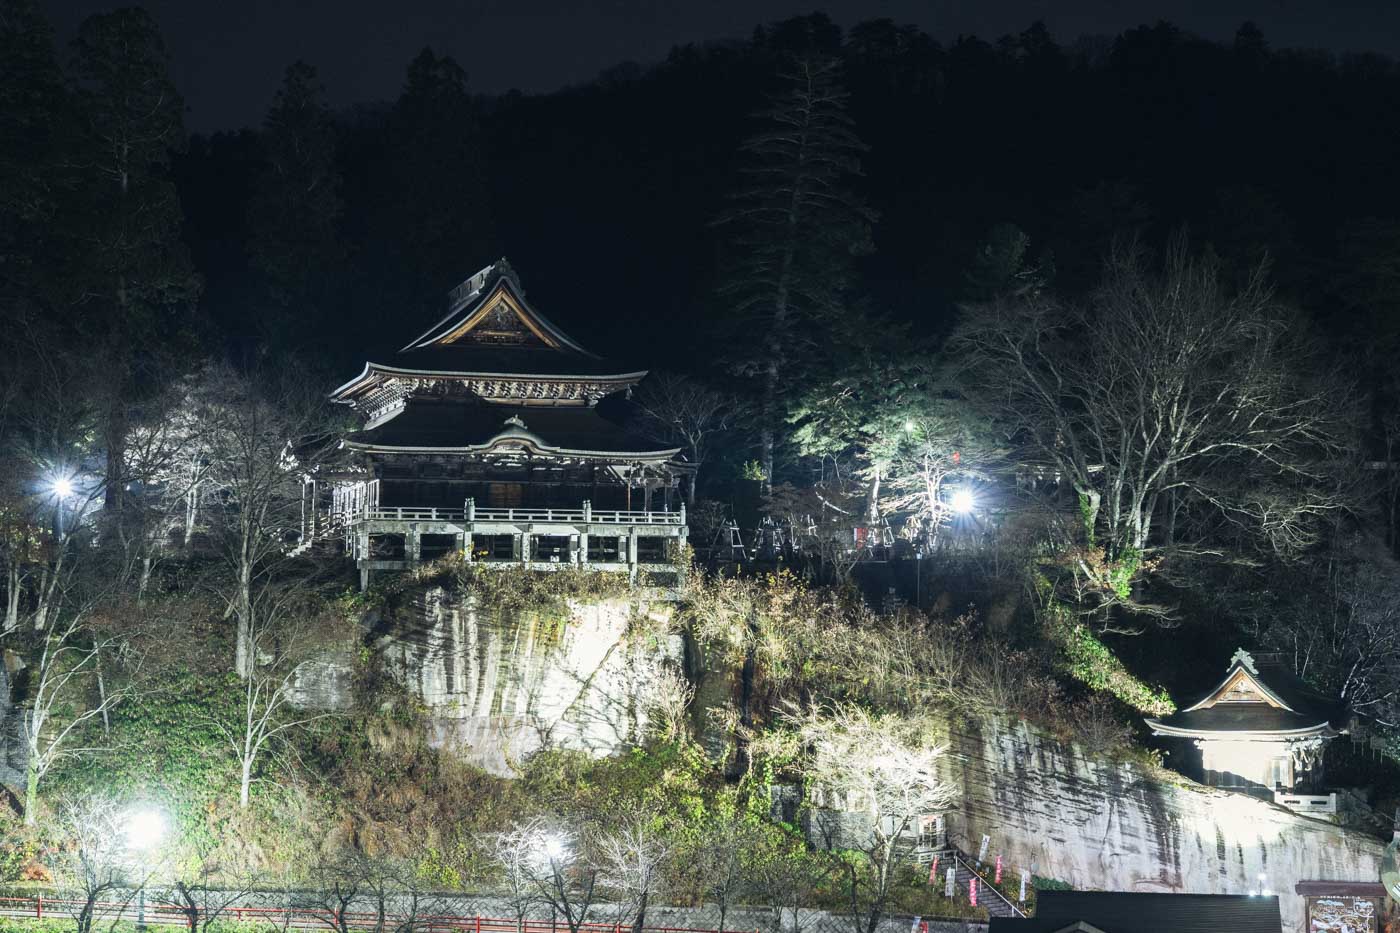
12,751
501,685
1124,827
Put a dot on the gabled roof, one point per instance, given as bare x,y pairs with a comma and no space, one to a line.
1257,699
489,310
1128,912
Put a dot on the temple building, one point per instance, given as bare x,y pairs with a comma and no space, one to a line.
1260,731
483,435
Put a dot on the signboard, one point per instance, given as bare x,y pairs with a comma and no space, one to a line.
1343,914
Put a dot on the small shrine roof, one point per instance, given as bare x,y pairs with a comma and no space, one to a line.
1259,698
427,425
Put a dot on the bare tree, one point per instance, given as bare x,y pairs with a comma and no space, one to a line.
633,856
563,873
96,867
207,883
514,854
281,644
883,768
66,691
1168,396
270,428
677,409
355,891
719,860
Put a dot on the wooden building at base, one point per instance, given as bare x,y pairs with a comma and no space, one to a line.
483,435
1261,730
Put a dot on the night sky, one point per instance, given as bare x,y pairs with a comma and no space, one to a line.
228,55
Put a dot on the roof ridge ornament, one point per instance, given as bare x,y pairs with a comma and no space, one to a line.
515,420
1245,659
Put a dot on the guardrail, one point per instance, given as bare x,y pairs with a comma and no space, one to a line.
156,913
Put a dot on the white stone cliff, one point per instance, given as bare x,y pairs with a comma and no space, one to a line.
1121,826
501,685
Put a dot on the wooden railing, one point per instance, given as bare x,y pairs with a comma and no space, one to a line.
470,513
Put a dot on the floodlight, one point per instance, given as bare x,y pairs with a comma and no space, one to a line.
144,828
962,501
61,486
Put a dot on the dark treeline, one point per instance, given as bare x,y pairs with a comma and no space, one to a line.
603,194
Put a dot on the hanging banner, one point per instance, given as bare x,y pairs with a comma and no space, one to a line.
972,891
914,927
997,879
933,871
1025,876
982,852
950,883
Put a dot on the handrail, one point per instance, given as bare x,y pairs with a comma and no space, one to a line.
512,515
987,884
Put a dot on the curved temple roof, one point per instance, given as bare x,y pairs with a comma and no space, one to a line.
425,426
492,343
1256,700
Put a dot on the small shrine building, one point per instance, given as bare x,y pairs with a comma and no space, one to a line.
483,436
1261,730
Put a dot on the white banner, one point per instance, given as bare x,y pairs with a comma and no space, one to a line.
1025,876
950,882
982,852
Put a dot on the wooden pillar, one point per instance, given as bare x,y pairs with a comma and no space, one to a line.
413,544
525,540
464,541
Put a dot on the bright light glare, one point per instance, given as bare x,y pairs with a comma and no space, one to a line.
61,486
962,501
909,425
553,846
144,828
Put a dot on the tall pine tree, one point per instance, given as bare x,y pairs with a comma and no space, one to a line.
139,286
794,228
436,205
295,211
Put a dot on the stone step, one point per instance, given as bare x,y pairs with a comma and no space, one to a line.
988,897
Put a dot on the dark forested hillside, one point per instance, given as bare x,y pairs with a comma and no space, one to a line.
604,193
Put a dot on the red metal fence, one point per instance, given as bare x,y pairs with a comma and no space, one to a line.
302,918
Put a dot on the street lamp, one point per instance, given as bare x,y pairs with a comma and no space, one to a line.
143,828
962,501
60,486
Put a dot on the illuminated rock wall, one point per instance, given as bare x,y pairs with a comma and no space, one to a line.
1125,827
500,685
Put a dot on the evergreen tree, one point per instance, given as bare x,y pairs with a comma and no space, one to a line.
436,212
794,227
295,210
137,285
35,134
